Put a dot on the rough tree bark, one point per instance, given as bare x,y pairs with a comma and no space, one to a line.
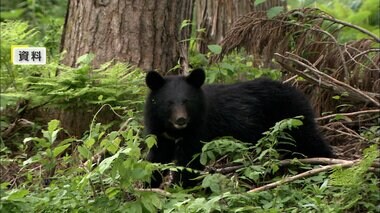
144,33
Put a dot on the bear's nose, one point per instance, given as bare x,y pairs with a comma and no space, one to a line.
181,121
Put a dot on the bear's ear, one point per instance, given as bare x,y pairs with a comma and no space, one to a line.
197,77
154,80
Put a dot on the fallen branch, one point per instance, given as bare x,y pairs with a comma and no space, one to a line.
16,126
325,161
303,175
314,64
156,190
348,114
229,169
286,162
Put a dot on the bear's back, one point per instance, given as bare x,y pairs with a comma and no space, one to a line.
245,110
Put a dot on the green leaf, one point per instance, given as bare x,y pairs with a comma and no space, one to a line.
114,145
4,185
54,135
85,59
12,14
106,163
274,11
214,182
32,159
41,142
294,122
150,141
257,2
134,207
203,159
147,204
15,194
214,48
104,143
151,201
185,23
53,125
336,97
342,117
58,150
156,201
211,155
128,136
274,168
89,142
111,192
84,152
66,141
28,139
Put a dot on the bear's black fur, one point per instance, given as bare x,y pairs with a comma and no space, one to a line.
181,113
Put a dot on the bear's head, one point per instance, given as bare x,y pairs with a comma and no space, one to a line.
176,102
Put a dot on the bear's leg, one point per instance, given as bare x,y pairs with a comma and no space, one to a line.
311,143
184,156
315,146
162,153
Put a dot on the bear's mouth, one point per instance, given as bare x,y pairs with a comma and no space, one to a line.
180,126
179,122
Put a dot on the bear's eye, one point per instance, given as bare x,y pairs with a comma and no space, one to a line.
170,103
185,101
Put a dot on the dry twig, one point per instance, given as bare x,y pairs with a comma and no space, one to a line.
156,190
345,133
303,175
348,114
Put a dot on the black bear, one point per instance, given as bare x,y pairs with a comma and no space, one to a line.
181,112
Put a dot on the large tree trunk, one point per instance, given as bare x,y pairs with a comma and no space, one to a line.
216,17
144,33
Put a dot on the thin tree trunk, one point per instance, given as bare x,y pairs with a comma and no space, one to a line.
215,17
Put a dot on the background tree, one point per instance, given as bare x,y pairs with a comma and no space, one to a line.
143,33
215,18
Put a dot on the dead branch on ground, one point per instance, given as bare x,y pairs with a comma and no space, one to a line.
287,162
303,175
349,114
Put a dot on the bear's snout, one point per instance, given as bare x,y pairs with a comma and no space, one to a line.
179,118
181,121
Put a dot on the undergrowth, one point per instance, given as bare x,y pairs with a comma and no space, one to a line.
106,171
